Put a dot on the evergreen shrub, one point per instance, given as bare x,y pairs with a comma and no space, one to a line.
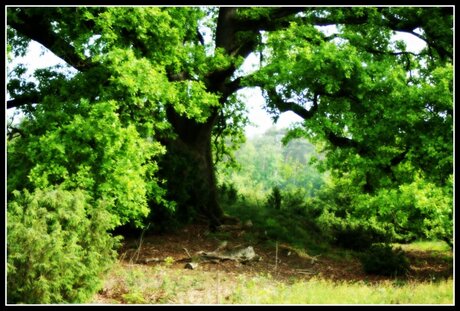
57,247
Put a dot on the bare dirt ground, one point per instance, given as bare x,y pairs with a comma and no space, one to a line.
283,264
195,238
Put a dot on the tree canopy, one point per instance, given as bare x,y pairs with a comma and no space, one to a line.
155,97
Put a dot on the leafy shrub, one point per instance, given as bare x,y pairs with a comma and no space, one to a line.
294,201
312,210
228,192
352,233
57,247
275,229
90,149
357,236
418,210
382,259
274,198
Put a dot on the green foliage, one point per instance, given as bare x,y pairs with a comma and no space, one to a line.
228,192
383,259
419,210
317,291
17,44
356,235
353,84
427,246
57,246
169,261
382,115
298,201
228,134
90,150
134,298
274,199
285,225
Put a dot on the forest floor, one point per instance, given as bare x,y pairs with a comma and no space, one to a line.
165,255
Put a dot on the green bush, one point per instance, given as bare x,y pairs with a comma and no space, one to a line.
228,192
382,259
274,198
352,233
89,149
416,210
294,201
357,236
57,247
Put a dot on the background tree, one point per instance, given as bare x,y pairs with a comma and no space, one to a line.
265,163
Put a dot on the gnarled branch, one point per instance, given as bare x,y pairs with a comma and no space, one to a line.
23,100
33,26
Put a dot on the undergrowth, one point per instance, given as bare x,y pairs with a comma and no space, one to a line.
281,225
137,284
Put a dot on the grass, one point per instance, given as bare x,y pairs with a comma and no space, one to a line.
423,246
137,284
162,284
261,290
167,283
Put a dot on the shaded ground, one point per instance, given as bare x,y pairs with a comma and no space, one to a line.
283,263
194,238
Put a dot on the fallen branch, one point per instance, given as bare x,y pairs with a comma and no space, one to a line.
188,254
306,271
147,260
242,255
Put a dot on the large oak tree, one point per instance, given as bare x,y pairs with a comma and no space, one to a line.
175,72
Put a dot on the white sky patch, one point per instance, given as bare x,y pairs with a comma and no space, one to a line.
260,118
327,30
87,46
414,44
37,57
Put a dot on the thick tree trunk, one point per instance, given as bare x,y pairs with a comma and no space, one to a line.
189,170
188,166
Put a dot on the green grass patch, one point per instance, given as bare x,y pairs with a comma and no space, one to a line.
423,246
136,284
262,290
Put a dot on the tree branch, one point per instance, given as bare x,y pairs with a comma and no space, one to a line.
233,86
374,51
284,106
14,130
23,100
343,142
399,158
274,21
34,26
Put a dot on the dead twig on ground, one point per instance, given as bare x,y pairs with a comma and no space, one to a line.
276,255
138,250
188,254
